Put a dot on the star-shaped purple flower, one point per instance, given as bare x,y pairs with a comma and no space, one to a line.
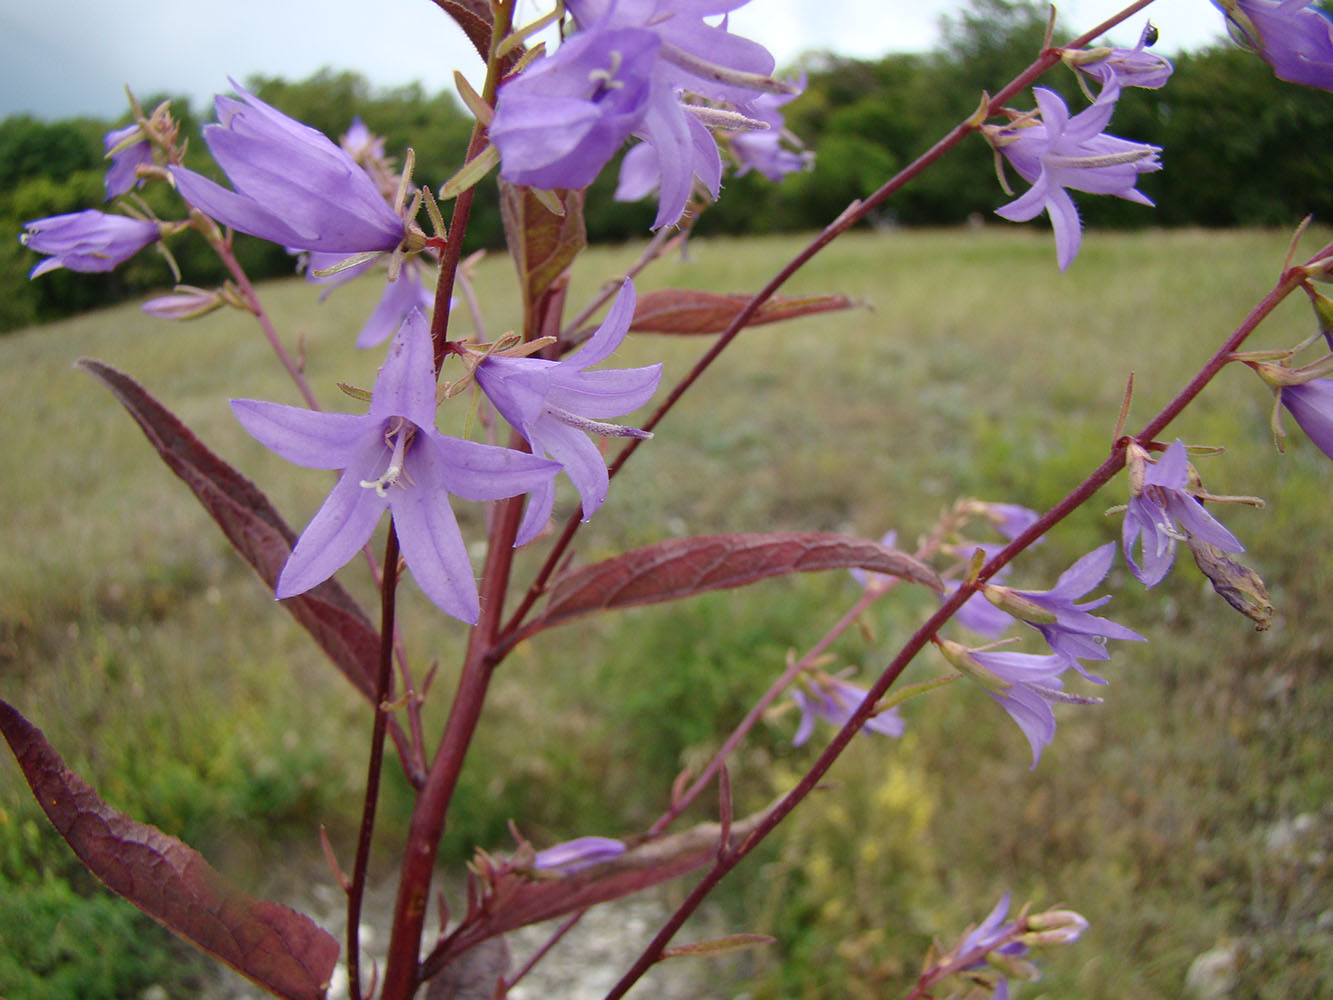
1068,627
1060,152
1292,36
1157,505
392,458
835,701
89,241
292,185
556,405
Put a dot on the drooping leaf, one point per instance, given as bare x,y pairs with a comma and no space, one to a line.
681,311
680,567
543,243
272,945
251,524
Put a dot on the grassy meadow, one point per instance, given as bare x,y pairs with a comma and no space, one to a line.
1192,811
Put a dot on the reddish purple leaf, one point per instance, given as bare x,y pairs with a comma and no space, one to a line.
680,567
258,532
513,900
276,947
679,310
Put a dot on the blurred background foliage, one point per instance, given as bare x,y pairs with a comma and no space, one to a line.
1222,117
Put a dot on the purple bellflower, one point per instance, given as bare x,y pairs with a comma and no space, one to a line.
1059,152
392,458
558,123
126,155
1024,684
1308,399
1292,36
1159,499
89,241
835,701
998,938
556,405
575,855
1126,67
774,151
292,185
1068,627
1311,406
624,73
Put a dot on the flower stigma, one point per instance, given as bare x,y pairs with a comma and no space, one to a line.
398,434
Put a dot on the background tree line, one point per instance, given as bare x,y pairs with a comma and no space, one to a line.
1222,115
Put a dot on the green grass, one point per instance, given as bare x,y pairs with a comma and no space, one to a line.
159,668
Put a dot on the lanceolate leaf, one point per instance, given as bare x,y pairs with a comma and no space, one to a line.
677,310
718,946
276,947
251,524
680,567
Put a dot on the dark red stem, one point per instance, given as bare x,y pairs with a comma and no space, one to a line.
383,685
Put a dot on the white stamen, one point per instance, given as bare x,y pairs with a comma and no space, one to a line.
596,426
399,431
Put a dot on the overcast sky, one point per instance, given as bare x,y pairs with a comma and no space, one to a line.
60,58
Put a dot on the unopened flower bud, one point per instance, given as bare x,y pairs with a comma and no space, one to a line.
1054,927
575,855
1136,466
186,302
1235,583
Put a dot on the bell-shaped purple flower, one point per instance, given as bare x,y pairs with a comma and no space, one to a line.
1024,685
1292,36
773,152
1156,505
835,701
89,241
556,405
1060,152
292,185
392,458
1134,67
558,123
1067,626
126,157
1311,405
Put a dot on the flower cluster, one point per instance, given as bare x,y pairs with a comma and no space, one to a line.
626,72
